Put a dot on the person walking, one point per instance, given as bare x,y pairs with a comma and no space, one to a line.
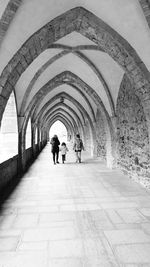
64,150
78,147
55,148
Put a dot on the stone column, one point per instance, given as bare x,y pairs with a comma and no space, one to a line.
33,127
94,144
39,138
112,145
21,146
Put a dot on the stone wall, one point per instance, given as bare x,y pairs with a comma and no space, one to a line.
132,134
8,170
100,136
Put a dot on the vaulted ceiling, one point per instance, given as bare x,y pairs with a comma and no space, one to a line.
61,72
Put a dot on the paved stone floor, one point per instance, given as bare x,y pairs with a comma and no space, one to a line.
73,215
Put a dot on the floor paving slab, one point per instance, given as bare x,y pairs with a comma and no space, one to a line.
134,253
127,236
24,259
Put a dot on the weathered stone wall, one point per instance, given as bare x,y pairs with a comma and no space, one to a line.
132,134
87,137
100,136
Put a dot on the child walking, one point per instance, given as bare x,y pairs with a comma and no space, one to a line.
63,150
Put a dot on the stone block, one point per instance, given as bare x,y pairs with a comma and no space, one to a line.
66,249
23,62
14,77
7,90
37,44
43,37
20,68
32,48
8,243
28,57
44,234
135,254
13,6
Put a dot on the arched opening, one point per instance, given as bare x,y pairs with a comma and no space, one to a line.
9,131
28,135
60,130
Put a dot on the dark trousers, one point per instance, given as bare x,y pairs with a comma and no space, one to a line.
55,156
63,158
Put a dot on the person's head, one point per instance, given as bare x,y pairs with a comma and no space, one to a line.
55,136
77,135
63,144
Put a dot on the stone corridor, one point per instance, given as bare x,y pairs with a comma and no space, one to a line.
73,215
75,68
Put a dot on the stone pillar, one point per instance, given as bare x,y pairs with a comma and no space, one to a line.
39,138
21,146
93,141
43,137
111,145
33,127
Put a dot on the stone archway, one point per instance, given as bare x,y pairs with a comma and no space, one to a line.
80,20
83,113
145,4
86,23
8,16
75,80
75,51
69,128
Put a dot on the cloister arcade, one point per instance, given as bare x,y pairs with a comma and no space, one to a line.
67,68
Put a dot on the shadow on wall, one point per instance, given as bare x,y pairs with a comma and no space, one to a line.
7,190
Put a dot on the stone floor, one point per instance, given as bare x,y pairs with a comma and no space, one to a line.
73,215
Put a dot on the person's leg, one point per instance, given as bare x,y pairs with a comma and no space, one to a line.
79,156
57,156
63,158
54,157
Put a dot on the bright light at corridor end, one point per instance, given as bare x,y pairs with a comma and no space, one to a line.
59,129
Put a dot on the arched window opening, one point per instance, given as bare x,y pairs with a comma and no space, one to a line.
36,136
60,130
28,134
9,131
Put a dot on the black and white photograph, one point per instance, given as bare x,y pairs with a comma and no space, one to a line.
74,133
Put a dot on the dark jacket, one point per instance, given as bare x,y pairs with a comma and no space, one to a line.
55,144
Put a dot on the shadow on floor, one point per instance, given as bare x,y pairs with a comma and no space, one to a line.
87,161
8,189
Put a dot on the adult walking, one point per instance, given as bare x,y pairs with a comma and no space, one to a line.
55,148
78,147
